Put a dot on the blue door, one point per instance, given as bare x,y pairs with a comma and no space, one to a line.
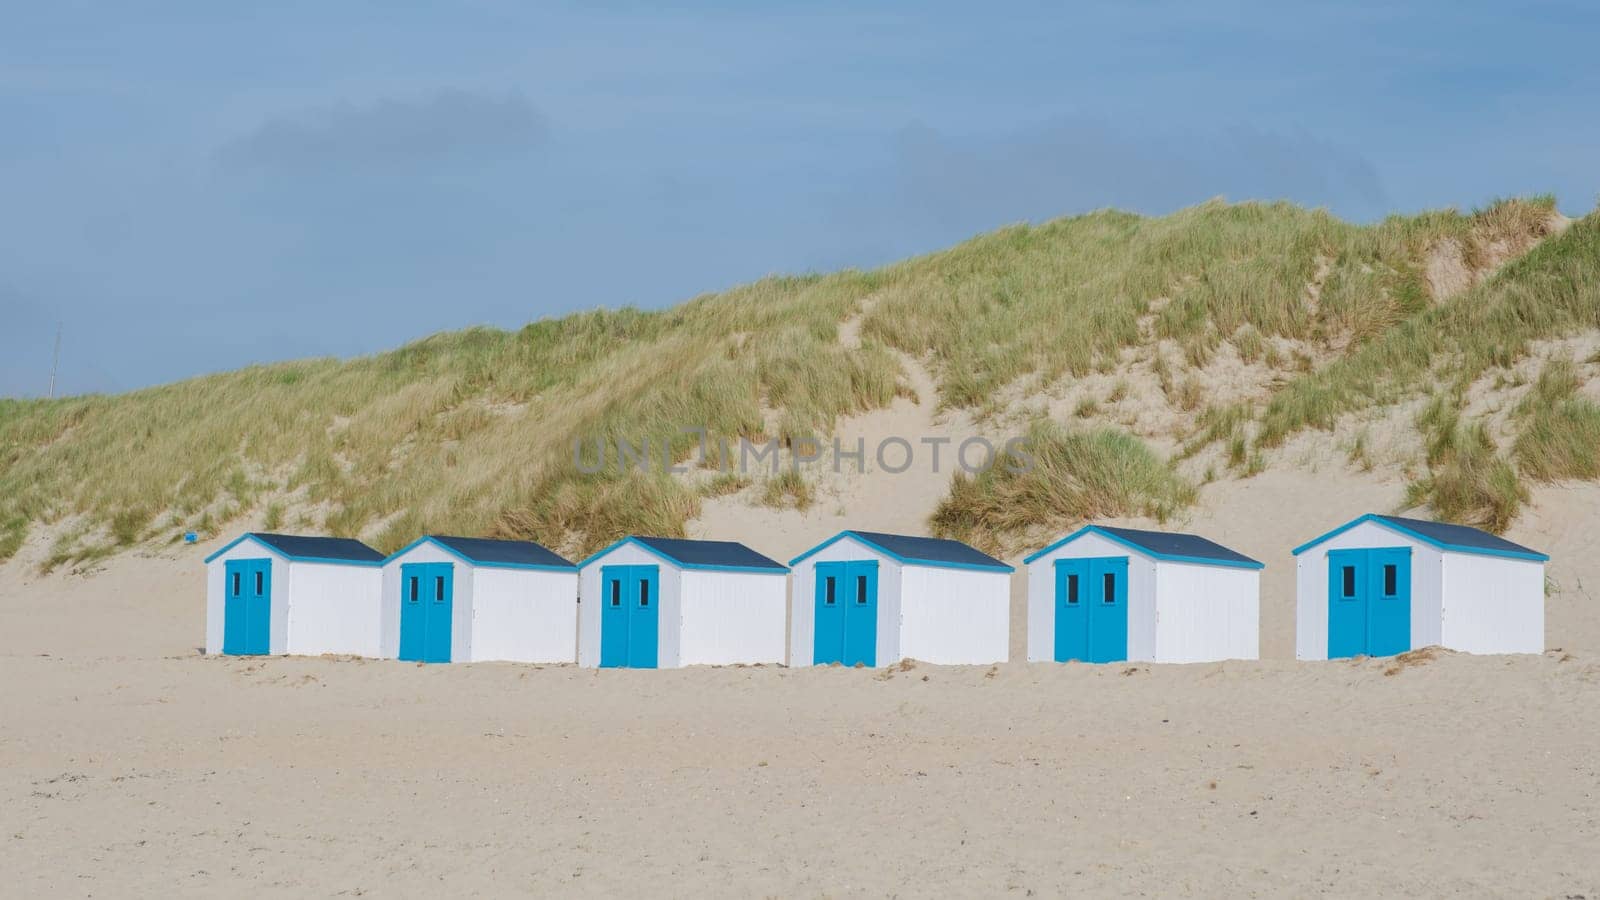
643,624
1092,609
630,616
247,607
614,616
1072,612
441,605
827,645
427,604
846,617
1369,602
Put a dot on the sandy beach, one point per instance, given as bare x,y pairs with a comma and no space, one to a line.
132,764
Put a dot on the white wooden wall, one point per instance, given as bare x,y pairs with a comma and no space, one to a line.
953,616
1311,588
589,599
731,617
1206,613
332,608
524,615
1492,604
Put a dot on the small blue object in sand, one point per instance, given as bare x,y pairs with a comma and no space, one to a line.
190,537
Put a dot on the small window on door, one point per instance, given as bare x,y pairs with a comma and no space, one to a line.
1391,580
861,590
827,591
236,584
413,589
1072,589
644,594
438,588
1348,575
1109,585
616,592
260,577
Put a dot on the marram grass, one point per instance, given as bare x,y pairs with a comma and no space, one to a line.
471,431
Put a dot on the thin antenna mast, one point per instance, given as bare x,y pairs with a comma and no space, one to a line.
55,362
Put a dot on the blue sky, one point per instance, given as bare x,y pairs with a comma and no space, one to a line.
191,187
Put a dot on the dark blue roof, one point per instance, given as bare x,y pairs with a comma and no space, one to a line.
710,553
1172,543
515,553
1164,545
1460,538
298,546
1457,535
933,551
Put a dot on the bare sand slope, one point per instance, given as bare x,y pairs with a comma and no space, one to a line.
129,764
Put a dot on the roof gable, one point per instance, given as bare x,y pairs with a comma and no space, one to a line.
1168,546
305,548
917,551
1445,536
491,553
723,556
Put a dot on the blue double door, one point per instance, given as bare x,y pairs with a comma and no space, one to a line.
1092,609
630,616
1369,602
427,601
846,616
247,607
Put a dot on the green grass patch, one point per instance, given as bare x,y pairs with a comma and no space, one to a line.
1068,476
788,488
1468,482
1560,436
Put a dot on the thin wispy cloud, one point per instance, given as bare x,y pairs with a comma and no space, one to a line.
451,125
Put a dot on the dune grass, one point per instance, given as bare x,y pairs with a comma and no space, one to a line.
1068,476
788,488
1061,298
1560,437
1467,481
464,432
1551,291
472,431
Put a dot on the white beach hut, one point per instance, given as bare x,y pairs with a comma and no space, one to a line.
1106,594
1381,585
649,602
457,599
283,593
866,598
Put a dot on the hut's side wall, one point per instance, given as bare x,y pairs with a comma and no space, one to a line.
953,616
1492,604
731,617
333,608
524,615
1206,613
